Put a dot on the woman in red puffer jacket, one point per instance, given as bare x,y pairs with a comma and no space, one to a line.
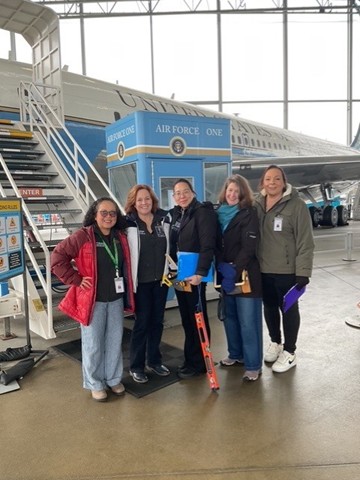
95,262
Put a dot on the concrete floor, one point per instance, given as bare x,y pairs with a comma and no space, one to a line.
300,425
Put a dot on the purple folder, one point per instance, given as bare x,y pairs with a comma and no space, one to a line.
291,297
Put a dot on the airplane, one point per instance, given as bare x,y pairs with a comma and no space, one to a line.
314,166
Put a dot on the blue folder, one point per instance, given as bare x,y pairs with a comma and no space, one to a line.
187,264
291,297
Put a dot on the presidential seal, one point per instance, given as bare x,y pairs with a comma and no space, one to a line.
178,146
121,150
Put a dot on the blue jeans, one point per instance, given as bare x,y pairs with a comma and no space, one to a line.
102,360
146,335
243,328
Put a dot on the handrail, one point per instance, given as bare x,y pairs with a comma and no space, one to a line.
32,108
45,282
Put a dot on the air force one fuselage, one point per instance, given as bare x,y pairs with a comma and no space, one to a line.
91,104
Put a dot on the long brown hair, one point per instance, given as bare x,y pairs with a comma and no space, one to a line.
246,196
131,198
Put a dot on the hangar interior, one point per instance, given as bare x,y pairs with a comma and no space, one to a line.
301,425
292,64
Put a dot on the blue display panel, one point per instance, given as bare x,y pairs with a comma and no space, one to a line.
11,238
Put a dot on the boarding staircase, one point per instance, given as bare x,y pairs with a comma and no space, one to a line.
41,162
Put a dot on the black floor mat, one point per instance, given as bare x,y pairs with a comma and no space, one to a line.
172,358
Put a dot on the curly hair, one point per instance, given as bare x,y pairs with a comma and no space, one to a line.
131,198
246,196
90,215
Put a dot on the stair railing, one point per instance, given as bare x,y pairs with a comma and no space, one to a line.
36,112
41,117
44,280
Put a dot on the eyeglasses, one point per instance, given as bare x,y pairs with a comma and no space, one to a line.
105,213
183,193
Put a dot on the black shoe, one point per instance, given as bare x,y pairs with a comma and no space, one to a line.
187,373
139,377
182,367
159,370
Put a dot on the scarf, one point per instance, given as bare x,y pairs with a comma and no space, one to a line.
226,213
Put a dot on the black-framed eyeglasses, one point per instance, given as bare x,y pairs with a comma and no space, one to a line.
105,213
183,193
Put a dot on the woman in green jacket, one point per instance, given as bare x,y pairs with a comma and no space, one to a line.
285,254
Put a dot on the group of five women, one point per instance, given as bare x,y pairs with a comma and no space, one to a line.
116,264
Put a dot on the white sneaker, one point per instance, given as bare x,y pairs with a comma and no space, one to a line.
272,352
285,361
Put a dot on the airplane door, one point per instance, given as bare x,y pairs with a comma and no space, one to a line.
165,174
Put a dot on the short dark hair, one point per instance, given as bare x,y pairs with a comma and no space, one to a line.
90,215
183,180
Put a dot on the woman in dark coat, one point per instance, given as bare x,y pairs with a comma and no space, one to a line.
237,252
192,229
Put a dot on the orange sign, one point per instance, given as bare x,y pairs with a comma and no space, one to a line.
31,192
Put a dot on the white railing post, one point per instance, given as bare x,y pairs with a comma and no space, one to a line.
349,247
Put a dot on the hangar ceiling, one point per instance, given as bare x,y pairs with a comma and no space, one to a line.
221,10
92,8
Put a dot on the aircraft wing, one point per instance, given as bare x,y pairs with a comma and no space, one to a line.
302,171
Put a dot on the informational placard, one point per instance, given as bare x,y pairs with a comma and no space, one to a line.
12,262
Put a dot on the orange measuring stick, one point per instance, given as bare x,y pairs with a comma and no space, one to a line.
205,345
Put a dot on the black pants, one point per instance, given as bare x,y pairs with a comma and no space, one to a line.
149,324
188,302
274,288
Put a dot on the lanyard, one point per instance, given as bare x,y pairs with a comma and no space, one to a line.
114,258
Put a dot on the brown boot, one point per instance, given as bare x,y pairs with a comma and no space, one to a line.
99,395
118,389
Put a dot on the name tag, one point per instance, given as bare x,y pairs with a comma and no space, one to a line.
278,224
159,231
119,285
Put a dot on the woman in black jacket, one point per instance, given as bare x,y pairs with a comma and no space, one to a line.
193,229
237,245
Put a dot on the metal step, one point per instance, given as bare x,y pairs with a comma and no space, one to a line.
34,163
14,142
51,244
48,199
52,226
22,174
64,324
39,184
21,154
14,133
6,121
59,211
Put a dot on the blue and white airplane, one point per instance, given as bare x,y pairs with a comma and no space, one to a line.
312,165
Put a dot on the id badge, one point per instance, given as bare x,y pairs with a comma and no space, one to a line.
119,284
278,224
159,231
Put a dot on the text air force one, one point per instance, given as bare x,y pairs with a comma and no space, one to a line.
312,165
